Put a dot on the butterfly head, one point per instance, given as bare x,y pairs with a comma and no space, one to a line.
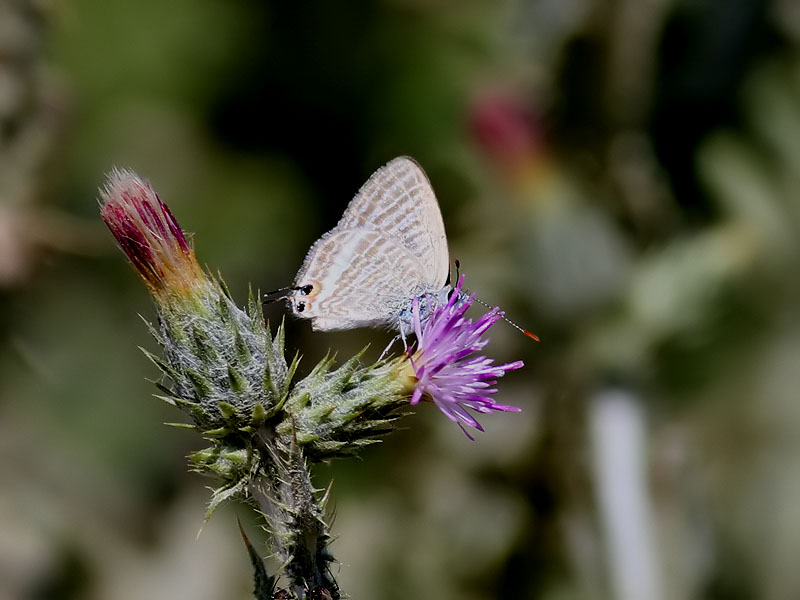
302,297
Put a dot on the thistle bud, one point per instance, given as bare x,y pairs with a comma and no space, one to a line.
150,236
227,372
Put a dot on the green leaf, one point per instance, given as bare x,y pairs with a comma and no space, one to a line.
161,365
181,425
222,494
202,386
238,383
264,584
228,410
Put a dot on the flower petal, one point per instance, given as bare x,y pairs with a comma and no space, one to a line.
445,363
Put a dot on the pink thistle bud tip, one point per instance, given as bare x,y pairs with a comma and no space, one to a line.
148,233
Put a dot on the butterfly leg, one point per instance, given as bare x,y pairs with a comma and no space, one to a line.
391,343
403,337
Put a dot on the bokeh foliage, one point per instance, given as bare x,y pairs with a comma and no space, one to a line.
620,176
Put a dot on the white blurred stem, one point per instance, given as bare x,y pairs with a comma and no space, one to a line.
619,450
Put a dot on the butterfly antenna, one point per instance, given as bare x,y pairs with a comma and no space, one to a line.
277,295
530,334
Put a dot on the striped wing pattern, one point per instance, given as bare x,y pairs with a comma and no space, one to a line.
359,277
399,201
388,247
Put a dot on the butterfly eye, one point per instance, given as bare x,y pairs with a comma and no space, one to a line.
301,306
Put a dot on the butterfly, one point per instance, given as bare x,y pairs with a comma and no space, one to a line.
388,249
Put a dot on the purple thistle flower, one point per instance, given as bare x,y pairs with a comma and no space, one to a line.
444,362
148,234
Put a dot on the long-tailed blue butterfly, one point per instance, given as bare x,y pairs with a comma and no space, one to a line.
388,249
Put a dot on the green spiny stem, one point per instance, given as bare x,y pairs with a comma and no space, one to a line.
294,510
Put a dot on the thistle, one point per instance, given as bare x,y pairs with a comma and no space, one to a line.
444,367
224,368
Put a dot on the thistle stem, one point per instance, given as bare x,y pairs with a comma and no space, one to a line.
294,511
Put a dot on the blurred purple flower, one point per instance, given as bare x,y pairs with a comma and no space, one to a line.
445,367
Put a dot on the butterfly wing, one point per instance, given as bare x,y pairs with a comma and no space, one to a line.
398,201
356,278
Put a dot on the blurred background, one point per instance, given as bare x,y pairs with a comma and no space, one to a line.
620,176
